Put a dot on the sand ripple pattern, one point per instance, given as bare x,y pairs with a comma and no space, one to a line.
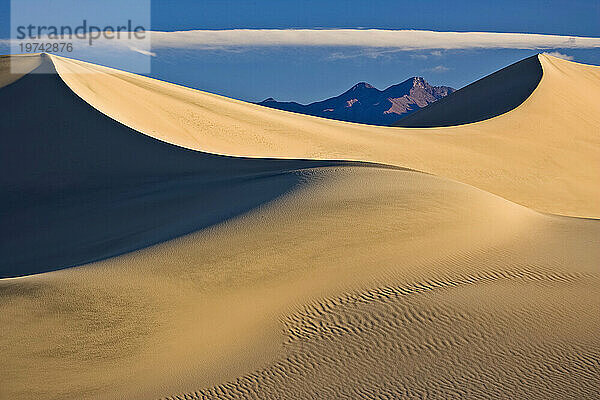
409,341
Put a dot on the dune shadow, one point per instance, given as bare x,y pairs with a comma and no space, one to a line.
77,186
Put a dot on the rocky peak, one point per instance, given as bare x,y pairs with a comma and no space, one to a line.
418,81
362,85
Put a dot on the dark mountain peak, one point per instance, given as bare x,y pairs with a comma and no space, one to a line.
362,85
399,89
415,81
268,100
417,87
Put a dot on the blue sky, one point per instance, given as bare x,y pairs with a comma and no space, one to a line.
569,17
308,73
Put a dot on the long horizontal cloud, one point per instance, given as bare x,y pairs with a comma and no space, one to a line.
373,41
377,38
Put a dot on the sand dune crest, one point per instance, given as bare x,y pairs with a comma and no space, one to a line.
542,154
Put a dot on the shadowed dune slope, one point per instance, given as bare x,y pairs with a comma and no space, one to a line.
488,97
79,186
542,154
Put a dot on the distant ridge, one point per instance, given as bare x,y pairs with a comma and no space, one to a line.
363,103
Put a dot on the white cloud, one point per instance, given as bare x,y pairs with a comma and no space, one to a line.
438,69
434,53
371,43
363,52
559,55
375,38
142,51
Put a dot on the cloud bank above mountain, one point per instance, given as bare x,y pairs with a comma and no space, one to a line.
373,41
376,38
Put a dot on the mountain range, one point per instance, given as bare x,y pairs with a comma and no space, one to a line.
363,103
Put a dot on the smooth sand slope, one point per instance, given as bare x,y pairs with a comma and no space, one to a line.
544,154
326,280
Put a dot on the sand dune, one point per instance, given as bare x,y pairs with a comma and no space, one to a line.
543,154
302,279
91,191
